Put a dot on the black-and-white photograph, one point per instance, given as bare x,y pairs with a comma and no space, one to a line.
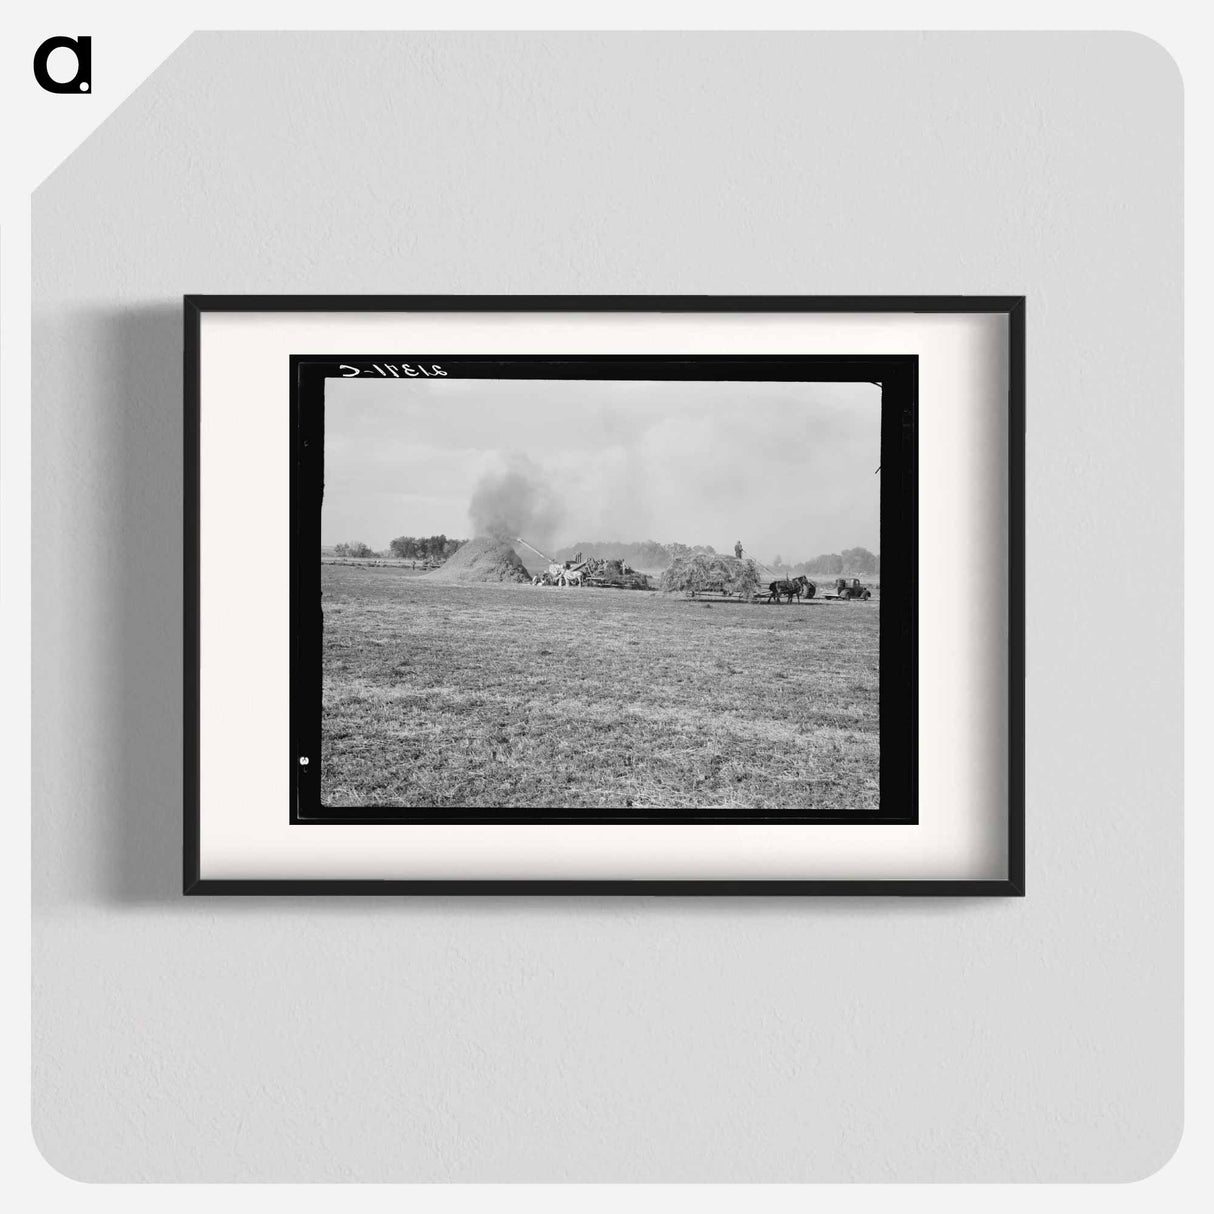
600,594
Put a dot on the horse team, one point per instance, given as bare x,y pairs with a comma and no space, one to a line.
795,587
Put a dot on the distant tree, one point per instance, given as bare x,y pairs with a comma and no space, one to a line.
829,564
356,549
421,547
652,555
859,560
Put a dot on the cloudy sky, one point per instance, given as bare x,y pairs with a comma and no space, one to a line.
788,468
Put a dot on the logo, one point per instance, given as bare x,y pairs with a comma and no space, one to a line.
82,81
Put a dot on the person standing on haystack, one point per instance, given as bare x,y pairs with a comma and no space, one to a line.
737,549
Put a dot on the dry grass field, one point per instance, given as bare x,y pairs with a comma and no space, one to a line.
514,696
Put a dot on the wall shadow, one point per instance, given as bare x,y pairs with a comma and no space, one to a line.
141,396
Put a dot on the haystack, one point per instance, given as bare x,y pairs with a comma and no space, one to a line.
701,572
484,559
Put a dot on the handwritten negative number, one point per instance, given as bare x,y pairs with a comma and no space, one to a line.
392,371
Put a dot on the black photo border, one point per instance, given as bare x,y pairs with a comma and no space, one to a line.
896,373
897,377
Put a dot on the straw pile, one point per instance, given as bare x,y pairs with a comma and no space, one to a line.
483,559
701,573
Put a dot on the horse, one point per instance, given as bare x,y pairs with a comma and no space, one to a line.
570,577
793,587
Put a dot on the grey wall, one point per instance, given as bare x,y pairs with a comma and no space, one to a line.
630,1039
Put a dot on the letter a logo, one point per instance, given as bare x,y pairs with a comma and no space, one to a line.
82,81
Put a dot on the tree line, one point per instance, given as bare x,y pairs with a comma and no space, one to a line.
405,547
640,554
858,561
649,554
424,547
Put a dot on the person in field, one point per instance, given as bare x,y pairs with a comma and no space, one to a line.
737,549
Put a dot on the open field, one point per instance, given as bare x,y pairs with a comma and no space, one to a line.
387,562
514,696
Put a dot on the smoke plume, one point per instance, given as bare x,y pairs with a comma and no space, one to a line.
515,500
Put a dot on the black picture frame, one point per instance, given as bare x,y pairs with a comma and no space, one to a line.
898,377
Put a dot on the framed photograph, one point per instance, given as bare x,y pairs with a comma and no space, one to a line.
604,595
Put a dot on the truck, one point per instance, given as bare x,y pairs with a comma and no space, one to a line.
850,588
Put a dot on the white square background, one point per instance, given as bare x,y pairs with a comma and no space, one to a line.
1034,1039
